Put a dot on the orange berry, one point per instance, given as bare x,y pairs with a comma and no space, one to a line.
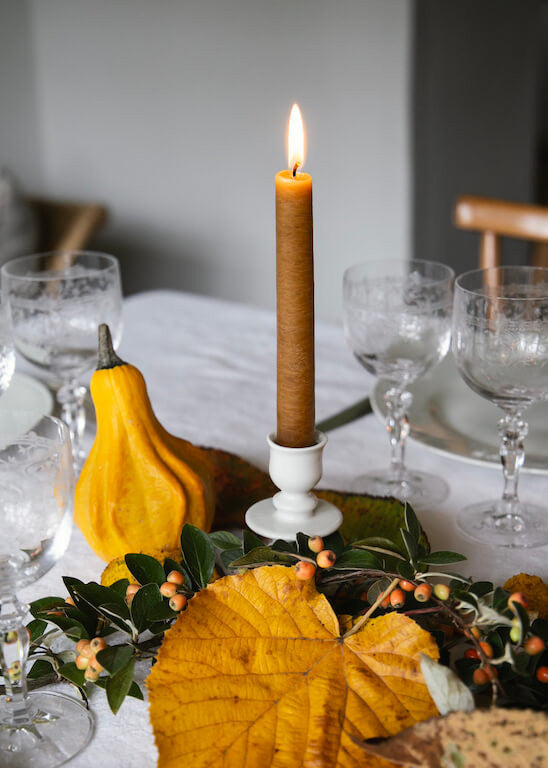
480,677
534,645
518,597
131,591
491,672
168,589
70,601
423,593
542,674
87,651
397,598
487,648
177,602
326,558
304,570
176,577
94,665
407,586
442,591
81,644
476,632
98,644
315,544
386,602
471,653
82,662
91,674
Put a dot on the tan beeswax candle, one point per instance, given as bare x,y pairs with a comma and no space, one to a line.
295,297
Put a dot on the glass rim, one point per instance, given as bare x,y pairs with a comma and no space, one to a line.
450,273
493,293
112,262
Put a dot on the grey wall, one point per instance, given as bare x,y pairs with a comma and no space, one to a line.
476,93
174,113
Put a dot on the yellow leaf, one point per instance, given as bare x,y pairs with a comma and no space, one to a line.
255,673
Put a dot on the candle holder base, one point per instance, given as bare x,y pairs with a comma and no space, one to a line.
294,509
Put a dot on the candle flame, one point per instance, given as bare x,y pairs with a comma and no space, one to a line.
295,139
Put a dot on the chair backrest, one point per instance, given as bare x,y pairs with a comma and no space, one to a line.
66,226
498,218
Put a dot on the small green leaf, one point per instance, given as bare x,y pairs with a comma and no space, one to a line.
251,541
481,588
410,544
45,604
465,597
442,558
118,686
71,672
334,542
302,544
71,627
377,588
287,546
378,541
115,657
229,555
262,555
500,599
41,668
145,569
161,612
37,627
143,602
540,627
356,558
224,540
411,522
405,569
198,554
97,595
134,689
117,616
523,617
120,587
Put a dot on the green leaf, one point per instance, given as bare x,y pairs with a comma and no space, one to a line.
523,617
465,597
540,628
481,588
261,555
411,522
405,569
377,588
378,541
224,540
251,541
173,565
500,599
145,569
118,686
45,604
134,689
334,542
117,616
302,544
37,627
41,668
356,558
71,672
115,657
442,558
410,545
120,587
71,627
229,555
143,602
287,546
198,554
96,595
161,612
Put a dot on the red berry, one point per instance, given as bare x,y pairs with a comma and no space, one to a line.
168,589
176,577
397,598
326,558
385,603
305,570
491,672
534,645
423,593
407,586
542,674
177,602
315,544
480,677
518,597
471,653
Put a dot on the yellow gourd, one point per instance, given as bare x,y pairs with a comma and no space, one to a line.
139,484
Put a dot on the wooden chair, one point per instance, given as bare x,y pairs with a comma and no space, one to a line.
66,226
498,218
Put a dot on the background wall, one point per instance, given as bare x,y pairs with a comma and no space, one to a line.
174,114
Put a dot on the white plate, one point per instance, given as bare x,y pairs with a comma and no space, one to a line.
450,418
26,399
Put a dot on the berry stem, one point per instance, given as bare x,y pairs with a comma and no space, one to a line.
364,619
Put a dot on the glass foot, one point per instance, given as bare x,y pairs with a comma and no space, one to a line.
502,525
59,728
414,487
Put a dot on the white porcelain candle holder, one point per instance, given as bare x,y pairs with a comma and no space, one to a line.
295,471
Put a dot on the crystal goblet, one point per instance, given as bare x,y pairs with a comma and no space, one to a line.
500,344
38,729
397,319
57,301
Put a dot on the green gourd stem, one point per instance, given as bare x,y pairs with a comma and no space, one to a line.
107,357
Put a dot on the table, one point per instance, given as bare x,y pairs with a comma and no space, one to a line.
210,370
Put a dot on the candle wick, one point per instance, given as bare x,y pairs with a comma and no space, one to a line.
295,169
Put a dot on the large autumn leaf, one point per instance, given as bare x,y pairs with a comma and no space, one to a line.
255,673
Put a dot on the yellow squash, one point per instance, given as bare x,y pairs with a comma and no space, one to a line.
139,484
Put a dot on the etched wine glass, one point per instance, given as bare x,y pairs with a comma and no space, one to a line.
57,301
40,729
500,343
398,324
7,352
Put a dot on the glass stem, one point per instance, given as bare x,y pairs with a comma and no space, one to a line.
512,431
71,398
14,649
397,426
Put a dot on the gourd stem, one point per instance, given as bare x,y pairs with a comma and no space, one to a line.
107,357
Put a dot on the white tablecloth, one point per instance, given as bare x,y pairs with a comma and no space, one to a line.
210,370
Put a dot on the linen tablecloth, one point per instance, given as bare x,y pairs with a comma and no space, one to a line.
210,371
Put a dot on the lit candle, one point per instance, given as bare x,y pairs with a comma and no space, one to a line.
295,295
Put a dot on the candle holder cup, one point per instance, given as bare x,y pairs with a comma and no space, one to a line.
294,508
